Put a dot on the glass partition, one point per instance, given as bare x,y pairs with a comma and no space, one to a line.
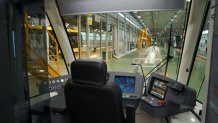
198,72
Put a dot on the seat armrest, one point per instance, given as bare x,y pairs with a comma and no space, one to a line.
130,114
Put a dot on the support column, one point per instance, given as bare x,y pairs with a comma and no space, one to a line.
125,44
107,23
101,38
115,39
117,43
210,104
194,22
94,38
87,38
79,35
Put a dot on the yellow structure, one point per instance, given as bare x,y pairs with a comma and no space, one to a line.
144,36
39,66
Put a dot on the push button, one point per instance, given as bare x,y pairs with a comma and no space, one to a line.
161,102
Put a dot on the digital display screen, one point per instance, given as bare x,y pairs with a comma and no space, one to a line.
158,88
126,83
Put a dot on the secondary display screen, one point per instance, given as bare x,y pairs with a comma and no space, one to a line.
158,88
126,83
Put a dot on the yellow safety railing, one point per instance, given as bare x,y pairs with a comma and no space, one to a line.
40,65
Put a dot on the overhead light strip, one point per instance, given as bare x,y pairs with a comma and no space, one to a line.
129,21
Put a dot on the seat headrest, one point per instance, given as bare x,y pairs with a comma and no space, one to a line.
92,72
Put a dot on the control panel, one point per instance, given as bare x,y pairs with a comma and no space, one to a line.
153,101
129,83
56,84
164,97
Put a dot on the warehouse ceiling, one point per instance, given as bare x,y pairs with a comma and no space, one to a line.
158,22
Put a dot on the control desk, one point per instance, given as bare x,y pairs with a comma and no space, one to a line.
165,97
130,84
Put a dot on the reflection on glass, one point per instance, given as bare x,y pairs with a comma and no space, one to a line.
43,54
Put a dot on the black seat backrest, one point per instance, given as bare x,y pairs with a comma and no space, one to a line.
89,97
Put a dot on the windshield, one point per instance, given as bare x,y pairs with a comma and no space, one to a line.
125,40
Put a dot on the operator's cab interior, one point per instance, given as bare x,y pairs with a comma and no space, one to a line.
110,62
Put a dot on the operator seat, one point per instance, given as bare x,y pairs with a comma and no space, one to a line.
90,98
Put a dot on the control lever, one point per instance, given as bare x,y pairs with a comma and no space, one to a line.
142,74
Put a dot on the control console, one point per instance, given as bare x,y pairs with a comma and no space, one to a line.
56,84
153,101
130,85
165,97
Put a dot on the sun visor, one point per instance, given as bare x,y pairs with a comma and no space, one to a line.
72,7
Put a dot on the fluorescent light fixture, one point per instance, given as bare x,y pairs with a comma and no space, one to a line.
172,20
121,14
139,16
175,16
188,0
128,20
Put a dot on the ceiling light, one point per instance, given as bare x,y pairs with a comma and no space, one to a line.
141,20
188,0
121,15
172,20
139,16
135,12
175,16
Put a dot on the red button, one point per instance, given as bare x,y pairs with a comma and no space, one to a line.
161,102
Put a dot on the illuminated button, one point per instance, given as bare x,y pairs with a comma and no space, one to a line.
58,81
59,87
53,81
62,80
54,87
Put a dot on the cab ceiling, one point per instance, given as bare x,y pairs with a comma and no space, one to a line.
73,7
